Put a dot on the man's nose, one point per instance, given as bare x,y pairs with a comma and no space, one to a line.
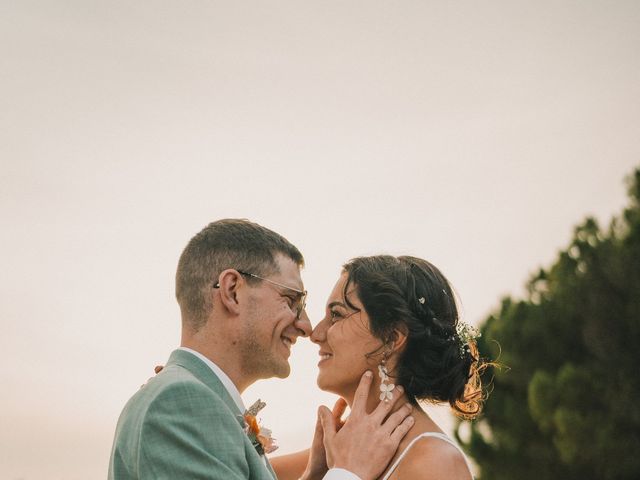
303,324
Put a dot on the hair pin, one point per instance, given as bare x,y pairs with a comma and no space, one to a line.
466,333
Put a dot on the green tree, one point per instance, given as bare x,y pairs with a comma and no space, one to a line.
566,403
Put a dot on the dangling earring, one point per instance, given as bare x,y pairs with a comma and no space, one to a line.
386,389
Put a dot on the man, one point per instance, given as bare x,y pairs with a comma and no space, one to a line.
242,304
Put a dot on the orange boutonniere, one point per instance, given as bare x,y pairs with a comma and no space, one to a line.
260,436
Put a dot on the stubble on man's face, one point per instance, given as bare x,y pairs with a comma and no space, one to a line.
259,356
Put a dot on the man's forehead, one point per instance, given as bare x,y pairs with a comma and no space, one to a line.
289,270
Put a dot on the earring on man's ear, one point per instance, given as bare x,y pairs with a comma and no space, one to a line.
386,389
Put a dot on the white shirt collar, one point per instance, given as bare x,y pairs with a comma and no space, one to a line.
226,381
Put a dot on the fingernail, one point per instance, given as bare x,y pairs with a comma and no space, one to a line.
368,374
400,389
411,419
410,406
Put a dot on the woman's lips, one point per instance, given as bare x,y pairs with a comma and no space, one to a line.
324,356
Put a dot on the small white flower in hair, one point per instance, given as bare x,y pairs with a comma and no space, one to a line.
421,300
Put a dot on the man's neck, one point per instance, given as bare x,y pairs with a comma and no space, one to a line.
225,360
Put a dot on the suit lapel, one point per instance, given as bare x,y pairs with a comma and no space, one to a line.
202,372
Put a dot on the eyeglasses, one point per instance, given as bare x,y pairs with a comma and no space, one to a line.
299,304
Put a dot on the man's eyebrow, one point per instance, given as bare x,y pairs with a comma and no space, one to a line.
286,286
289,292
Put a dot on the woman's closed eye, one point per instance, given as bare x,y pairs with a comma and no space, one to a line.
335,315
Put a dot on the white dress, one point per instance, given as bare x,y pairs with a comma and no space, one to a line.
441,436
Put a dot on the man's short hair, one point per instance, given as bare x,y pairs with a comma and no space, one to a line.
227,243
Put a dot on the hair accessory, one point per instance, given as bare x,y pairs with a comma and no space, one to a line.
386,389
421,300
466,333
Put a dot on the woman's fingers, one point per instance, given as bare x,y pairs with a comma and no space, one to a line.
385,406
337,412
402,429
327,422
318,434
362,394
396,419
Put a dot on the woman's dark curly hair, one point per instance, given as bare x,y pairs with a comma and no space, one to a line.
410,295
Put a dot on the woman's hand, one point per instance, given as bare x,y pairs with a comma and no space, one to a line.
366,442
317,463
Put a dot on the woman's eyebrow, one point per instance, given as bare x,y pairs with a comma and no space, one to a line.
336,304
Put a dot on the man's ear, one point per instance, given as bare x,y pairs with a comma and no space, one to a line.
228,283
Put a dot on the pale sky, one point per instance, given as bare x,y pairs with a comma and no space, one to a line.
473,134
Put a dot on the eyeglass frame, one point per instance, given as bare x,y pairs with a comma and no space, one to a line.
302,302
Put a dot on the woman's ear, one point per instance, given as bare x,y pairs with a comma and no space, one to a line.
228,284
398,340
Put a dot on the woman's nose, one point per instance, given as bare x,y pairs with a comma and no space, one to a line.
303,324
319,334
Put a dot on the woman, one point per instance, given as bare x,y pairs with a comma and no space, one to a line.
397,317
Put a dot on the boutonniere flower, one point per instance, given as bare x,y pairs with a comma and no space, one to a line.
260,436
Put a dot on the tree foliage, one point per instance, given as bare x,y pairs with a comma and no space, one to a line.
565,403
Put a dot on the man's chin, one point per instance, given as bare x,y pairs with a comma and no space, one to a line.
284,372
279,371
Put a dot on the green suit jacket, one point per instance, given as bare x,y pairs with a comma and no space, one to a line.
183,424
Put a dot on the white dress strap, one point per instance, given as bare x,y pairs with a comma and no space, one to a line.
441,436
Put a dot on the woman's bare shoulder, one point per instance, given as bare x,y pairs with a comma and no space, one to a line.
432,459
